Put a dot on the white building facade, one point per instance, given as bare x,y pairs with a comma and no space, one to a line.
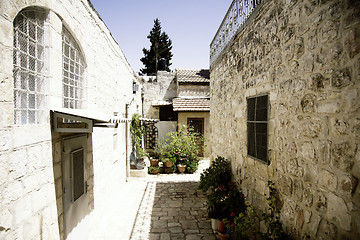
66,90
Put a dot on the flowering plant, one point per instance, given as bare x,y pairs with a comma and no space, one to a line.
225,202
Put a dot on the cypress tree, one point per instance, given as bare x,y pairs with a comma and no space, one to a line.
160,48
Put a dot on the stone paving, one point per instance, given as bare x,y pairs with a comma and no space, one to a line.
157,207
172,210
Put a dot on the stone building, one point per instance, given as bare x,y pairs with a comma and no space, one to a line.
66,90
285,85
179,98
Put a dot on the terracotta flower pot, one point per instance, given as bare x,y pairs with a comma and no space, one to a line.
181,168
154,162
221,227
169,164
223,236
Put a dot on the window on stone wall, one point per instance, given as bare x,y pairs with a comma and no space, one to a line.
29,66
73,72
257,127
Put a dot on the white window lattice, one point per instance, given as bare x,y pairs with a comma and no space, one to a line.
29,71
73,71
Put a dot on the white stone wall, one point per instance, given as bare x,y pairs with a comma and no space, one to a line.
163,87
30,156
305,55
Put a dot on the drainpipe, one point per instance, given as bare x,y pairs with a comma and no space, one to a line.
127,141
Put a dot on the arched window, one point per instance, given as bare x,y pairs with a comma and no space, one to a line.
73,72
29,71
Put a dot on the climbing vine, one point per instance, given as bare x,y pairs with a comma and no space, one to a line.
137,132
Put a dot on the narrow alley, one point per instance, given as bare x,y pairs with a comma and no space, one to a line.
158,207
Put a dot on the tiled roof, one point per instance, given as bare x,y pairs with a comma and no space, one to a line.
193,76
191,104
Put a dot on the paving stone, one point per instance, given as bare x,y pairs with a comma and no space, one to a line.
177,210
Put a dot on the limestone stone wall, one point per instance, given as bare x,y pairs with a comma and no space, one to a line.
305,55
30,166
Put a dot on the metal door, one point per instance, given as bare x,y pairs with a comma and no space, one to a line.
74,181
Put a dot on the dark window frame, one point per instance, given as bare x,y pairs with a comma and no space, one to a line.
257,127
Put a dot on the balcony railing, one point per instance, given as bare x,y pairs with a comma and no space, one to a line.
233,22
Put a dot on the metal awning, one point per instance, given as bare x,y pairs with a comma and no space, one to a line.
81,120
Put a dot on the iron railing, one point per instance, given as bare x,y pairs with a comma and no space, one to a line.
233,22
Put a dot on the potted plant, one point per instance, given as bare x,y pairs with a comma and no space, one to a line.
168,162
154,170
154,162
214,183
137,131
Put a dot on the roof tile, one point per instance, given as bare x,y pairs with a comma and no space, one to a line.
191,104
193,76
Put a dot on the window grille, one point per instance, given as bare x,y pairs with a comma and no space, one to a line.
73,72
257,127
77,173
29,71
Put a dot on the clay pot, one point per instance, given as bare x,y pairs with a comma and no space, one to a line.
154,162
223,236
169,164
221,227
181,168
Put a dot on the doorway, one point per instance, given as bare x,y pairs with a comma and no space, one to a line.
198,125
75,175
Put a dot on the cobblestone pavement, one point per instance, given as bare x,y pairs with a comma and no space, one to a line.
172,210
157,207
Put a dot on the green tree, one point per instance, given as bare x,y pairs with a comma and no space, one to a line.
160,47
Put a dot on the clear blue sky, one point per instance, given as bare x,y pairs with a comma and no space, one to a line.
190,24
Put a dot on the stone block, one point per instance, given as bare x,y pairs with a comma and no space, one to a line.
294,169
298,190
12,192
324,151
40,199
327,230
329,31
348,184
320,201
328,180
32,228
31,182
18,164
6,88
308,103
22,209
5,140
5,219
341,157
285,185
328,107
311,128
339,125
340,78
307,151
4,169
351,42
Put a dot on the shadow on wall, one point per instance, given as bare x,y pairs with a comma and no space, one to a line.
73,178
